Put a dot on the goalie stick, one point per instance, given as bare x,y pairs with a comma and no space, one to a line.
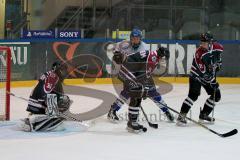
227,134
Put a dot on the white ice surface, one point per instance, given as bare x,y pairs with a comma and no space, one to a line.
104,140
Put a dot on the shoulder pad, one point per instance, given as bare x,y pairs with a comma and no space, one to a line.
217,46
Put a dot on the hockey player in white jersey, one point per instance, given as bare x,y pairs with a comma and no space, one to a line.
126,47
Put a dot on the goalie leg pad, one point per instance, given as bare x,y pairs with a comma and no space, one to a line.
45,123
52,105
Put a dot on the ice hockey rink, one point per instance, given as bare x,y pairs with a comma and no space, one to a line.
102,140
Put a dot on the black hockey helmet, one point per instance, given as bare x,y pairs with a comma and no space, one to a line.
206,37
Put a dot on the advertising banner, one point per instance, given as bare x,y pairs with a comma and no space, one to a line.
34,34
20,57
94,59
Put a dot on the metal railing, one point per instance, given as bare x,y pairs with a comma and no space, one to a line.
76,16
25,23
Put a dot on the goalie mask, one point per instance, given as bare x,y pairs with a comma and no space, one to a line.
60,69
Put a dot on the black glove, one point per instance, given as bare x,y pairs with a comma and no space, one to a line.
118,57
218,67
163,52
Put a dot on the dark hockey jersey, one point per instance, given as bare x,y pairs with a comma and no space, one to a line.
206,61
138,66
48,83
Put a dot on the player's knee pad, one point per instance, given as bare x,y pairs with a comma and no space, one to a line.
136,91
153,94
135,102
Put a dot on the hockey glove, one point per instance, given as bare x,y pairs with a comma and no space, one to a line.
218,67
118,57
163,52
64,103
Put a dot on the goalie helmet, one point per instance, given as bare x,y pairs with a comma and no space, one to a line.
60,69
56,65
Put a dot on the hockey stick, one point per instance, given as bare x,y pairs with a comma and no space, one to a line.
153,125
214,94
60,114
228,134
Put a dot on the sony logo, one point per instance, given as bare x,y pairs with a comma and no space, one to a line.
69,34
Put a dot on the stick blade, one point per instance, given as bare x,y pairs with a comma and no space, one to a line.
153,125
228,134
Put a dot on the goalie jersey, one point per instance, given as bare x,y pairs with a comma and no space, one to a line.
48,83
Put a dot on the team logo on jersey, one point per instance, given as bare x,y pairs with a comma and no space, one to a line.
143,54
154,59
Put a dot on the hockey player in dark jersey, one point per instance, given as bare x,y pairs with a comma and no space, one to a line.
206,62
135,44
47,100
135,73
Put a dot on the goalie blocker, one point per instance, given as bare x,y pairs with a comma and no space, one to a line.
47,101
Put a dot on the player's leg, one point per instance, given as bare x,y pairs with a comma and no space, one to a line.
116,106
215,96
133,113
194,92
50,120
157,99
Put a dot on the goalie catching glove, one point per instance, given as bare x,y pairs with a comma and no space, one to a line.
56,104
64,103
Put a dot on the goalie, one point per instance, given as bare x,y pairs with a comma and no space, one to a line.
47,101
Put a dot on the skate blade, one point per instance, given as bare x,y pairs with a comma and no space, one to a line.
180,124
24,127
170,121
112,120
202,121
133,130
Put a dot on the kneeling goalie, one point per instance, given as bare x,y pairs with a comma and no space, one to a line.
47,101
